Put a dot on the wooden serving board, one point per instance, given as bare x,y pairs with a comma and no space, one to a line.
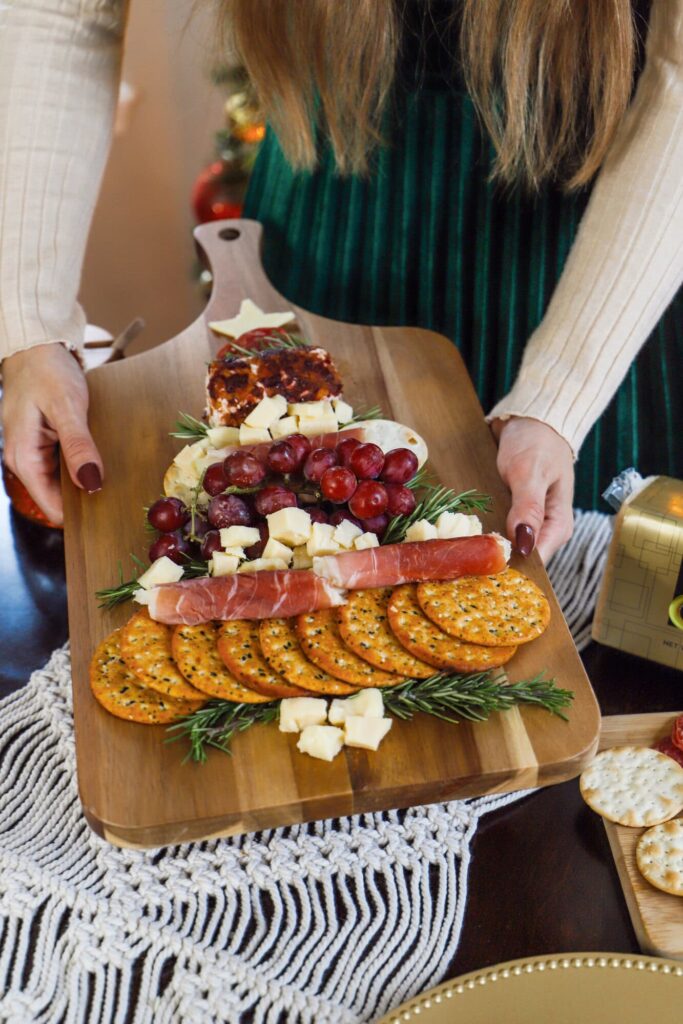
657,917
135,789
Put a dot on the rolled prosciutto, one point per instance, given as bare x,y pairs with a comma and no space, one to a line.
254,595
414,562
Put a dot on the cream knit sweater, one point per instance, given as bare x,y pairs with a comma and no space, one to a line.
59,70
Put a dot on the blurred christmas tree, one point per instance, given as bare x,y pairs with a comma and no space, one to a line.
218,191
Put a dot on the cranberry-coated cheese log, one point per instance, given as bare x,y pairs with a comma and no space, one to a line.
415,562
255,595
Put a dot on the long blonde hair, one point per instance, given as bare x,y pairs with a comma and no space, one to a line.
550,79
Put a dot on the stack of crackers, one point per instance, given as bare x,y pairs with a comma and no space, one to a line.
151,673
641,787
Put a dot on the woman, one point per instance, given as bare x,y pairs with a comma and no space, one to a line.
415,232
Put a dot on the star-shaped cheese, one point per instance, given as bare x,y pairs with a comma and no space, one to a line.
248,319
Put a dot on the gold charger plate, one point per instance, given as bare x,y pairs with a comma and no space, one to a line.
568,988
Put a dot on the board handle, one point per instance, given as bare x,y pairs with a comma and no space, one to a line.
233,251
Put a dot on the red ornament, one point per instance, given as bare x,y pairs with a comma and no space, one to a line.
217,193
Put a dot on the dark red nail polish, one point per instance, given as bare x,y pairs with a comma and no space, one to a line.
90,478
524,539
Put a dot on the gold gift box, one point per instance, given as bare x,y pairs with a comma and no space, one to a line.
640,607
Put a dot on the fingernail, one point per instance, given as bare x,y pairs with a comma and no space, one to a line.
89,477
524,539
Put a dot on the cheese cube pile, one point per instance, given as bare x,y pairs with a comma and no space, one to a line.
356,721
447,526
273,419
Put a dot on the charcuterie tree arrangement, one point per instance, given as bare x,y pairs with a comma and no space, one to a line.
306,570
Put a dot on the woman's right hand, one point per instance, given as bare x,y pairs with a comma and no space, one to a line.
45,403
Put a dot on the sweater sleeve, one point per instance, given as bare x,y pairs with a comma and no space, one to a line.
59,72
626,263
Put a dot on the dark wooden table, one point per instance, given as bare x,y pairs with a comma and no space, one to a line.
542,877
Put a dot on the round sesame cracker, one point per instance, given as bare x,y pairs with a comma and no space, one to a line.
283,651
239,649
425,640
119,691
146,650
322,643
196,655
633,786
659,856
507,608
364,628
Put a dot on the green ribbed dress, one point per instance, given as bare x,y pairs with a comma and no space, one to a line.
428,241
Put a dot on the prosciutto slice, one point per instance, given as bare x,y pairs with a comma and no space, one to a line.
253,595
414,562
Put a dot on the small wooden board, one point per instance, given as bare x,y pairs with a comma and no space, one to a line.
135,789
657,917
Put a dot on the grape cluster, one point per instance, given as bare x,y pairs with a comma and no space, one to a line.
354,481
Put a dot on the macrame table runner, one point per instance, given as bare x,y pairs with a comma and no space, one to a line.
334,921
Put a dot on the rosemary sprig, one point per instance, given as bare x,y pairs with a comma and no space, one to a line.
188,428
473,697
268,343
373,413
436,500
423,478
109,597
216,723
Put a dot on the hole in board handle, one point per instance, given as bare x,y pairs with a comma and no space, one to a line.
229,234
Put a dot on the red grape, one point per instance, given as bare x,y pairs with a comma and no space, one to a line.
273,498
173,545
282,457
211,543
215,481
338,484
302,446
367,461
377,524
319,515
168,514
318,461
400,466
228,510
345,449
369,500
340,514
243,470
401,500
256,550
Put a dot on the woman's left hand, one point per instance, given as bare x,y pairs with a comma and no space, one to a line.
538,467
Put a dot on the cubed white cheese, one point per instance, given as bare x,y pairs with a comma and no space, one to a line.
236,551
290,525
263,565
321,541
346,533
267,411
366,733
239,536
320,425
298,712
422,530
366,540
161,571
222,563
365,704
322,741
284,427
342,410
186,456
221,437
301,558
141,596
275,549
457,524
253,435
309,410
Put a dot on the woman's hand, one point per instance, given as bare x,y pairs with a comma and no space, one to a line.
45,402
538,467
